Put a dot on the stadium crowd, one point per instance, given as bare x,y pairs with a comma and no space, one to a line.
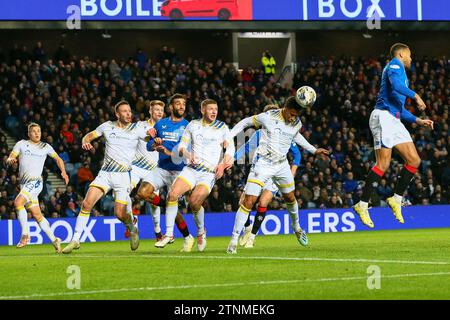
70,96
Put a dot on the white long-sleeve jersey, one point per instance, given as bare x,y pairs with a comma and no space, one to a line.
277,137
207,142
121,145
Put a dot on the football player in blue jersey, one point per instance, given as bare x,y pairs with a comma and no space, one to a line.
389,132
167,136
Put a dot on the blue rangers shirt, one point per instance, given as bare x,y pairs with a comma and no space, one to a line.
170,132
253,143
394,91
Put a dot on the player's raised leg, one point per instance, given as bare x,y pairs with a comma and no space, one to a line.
383,156
178,188
412,162
92,196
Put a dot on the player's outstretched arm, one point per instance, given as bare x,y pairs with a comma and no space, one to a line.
425,122
60,164
12,158
243,124
87,139
302,142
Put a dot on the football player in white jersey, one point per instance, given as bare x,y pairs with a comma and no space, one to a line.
281,128
145,162
206,137
122,138
31,155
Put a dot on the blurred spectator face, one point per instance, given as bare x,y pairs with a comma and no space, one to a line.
123,114
69,189
34,133
55,215
228,207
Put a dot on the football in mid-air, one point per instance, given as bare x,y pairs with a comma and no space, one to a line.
305,96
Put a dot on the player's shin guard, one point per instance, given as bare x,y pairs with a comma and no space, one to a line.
45,226
156,217
372,180
292,208
171,214
405,177
199,218
259,218
23,220
82,220
239,222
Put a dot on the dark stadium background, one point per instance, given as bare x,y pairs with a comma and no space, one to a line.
342,65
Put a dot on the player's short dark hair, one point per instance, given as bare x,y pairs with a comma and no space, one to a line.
206,102
397,47
120,103
291,103
176,96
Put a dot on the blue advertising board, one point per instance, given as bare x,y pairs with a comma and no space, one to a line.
221,224
315,10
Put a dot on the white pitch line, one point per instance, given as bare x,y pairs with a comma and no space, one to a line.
218,285
228,257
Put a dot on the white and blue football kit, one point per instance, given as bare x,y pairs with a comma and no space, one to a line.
253,143
385,120
31,163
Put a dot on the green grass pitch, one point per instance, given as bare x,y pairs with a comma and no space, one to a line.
413,264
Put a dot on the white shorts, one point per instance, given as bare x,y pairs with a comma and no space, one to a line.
264,172
160,178
138,174
30,191
387,130
271,186
196,178
119,182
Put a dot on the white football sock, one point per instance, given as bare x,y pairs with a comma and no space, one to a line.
398,198
171,214
156,216
82,220
292,208
199,218
45,226
22,215
239,222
